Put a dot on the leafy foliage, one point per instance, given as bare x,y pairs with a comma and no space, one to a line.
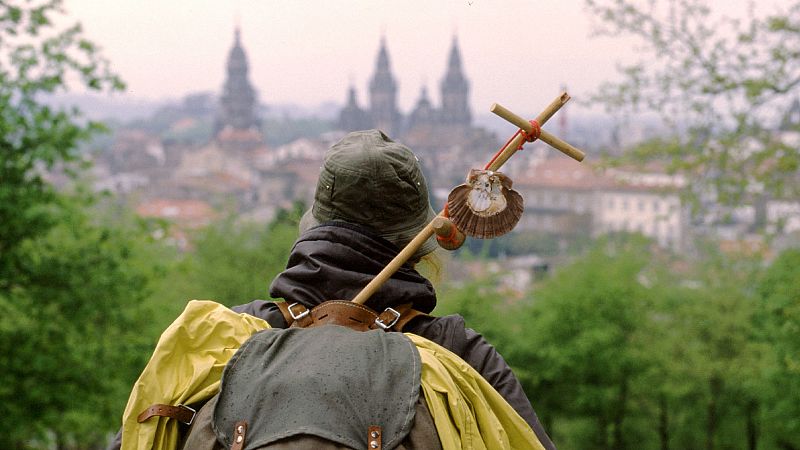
74,330
230,262
630,347
588,350
69,287
779,291
626,347
37,58
719,82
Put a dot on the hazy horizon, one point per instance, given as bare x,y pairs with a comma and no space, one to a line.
514,52
308,53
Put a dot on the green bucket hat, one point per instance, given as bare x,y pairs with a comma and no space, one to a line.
368,179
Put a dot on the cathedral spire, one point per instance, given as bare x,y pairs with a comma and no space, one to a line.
455,91
382,64
454,63
238,100
383,94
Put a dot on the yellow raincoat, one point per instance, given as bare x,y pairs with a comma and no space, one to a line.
185,368
187,365
467,411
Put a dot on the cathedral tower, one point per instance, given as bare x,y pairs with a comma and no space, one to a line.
455,92
238,101
383,95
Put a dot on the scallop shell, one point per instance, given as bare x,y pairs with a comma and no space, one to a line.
485,206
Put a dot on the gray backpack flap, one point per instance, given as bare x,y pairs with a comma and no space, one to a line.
328,382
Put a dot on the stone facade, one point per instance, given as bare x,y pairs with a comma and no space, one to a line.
565,197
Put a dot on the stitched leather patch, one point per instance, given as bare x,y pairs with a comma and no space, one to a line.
239,435
375,435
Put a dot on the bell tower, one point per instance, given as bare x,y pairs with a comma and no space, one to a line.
383,95
238,101
455,91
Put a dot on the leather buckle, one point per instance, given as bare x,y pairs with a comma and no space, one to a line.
386,326
299,316
194,413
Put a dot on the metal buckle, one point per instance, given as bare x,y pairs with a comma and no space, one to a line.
194,413
387,326
299,316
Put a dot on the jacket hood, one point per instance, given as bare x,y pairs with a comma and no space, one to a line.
335,260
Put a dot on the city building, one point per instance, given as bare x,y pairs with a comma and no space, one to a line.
383,113
237,125
568,198
230,168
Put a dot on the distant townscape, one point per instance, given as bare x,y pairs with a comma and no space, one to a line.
215,155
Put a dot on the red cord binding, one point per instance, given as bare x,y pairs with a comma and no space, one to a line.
536,131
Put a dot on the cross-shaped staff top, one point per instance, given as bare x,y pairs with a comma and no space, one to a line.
532,130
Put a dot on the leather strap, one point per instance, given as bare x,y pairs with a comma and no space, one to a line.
239,434
346,313
181,413
406,314
375,438
284,308
294,314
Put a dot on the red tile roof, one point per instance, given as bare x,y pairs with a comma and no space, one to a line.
563,173
191,213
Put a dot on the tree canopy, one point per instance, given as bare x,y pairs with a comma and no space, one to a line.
631,347
720,83
70,286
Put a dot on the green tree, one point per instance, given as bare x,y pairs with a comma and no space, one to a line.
72,326
231,263
709,362
37,58
631,347
484,306
581,348
719,82
74,331
779,292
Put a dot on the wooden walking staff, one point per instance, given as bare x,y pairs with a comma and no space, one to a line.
529,131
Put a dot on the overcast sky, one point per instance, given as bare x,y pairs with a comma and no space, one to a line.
515,52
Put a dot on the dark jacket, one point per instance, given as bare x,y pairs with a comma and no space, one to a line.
334,261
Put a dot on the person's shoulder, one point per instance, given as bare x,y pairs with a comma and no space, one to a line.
448,331
439,323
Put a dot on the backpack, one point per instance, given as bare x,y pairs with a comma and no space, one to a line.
320,387
209,352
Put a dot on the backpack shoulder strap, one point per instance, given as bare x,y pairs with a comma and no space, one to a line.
284,308
406,314
296,312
